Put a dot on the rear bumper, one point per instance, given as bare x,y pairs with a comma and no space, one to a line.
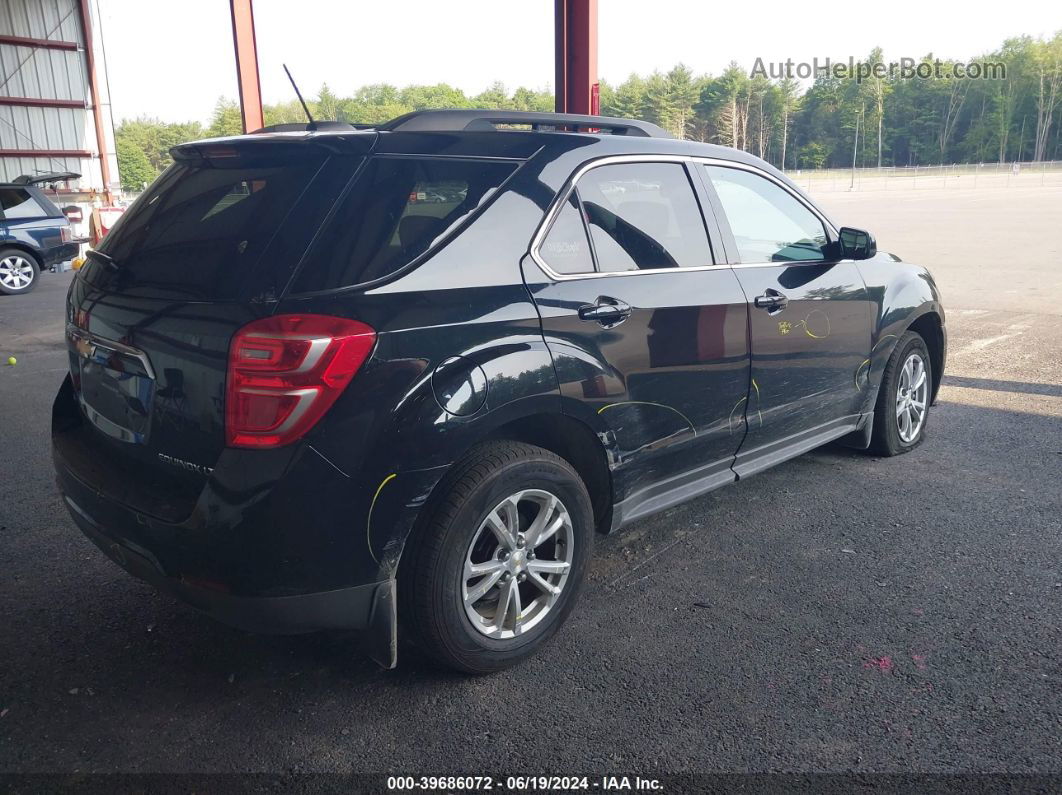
56,254
369,609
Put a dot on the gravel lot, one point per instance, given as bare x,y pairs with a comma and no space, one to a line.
839,612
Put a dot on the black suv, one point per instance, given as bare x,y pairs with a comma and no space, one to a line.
371,379
34,233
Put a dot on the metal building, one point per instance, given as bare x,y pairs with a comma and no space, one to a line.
54,103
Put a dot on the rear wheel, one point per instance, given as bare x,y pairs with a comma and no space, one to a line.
19,272
498,566
903,399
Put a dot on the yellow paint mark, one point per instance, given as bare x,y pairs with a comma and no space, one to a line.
858,369
646,403
809,332
730,419
784,326
759,416
368,520
876,344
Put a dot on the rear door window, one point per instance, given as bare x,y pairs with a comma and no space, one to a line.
396,210
17,203
643,216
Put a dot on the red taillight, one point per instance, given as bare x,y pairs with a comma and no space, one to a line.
286,371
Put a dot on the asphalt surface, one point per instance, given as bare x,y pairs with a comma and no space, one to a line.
839,612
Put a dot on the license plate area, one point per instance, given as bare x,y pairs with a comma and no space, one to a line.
115,385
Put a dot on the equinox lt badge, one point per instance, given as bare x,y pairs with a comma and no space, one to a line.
187,465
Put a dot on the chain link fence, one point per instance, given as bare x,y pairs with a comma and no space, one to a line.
958,177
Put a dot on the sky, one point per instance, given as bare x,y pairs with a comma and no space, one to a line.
173,60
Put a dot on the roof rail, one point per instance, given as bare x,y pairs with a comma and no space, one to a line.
470,120
316,126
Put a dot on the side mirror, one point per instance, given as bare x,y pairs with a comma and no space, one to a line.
857,243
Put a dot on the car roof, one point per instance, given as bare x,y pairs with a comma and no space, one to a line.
472,133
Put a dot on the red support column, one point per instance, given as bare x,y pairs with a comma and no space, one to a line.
576,56
94,93
247,64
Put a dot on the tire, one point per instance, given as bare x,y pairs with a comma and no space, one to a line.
19,272
459,532
890,436
16,267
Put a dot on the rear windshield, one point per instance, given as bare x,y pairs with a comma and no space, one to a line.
200,230
395,211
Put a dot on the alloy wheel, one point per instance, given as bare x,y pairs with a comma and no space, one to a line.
517,564
16,273
912,395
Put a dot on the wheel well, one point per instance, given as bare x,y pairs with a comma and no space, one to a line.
577,444
930,329
25,250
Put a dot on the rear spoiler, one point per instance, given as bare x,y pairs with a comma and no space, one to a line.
217,150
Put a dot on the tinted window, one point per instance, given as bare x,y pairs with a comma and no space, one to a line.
200,230
17,203
768,222
394,212
566,248
643,216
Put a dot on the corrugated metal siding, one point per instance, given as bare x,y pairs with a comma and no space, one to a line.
41,19
23,127
11,167
42,73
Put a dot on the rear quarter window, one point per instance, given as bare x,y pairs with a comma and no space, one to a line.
396,210
18,203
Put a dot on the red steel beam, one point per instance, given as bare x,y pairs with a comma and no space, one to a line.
243,41
48,44
94,91
575,50
82,153
36,102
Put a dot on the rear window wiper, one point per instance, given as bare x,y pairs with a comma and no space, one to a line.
106,259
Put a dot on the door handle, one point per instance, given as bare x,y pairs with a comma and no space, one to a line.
771,300
606,311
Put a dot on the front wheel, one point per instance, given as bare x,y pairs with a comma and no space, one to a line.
902,409
497,567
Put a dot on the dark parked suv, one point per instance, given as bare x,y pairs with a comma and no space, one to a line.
397,378
34,233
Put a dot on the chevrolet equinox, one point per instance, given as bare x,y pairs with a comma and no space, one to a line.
334,378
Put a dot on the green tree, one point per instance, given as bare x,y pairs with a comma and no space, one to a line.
1047,56
875,89
627,100
528,99
155,138
226,119
285,113
789,100
929,119
438,96
134,169
495,97
327,105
